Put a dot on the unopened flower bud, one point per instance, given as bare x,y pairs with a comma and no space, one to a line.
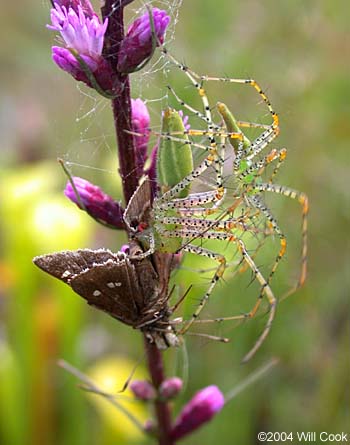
170,388
69,63
143,390
199,410
125,248
97,203
140,121
138,43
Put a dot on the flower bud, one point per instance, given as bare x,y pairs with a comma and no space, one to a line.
98,204
138,43
170,388
140,121
143,390
199,410
67,62
125,248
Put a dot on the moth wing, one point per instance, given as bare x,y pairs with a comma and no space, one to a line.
111,287
68,263
139,203
148,281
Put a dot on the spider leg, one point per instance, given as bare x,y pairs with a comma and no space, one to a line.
282,157
252,83
197,80
260,166
217,275
245,124
265,287
275,228
195,223
303,201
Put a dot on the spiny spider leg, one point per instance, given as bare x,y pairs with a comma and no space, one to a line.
250,82
202,116
282,157
216,154
219,129
192,200
198,80
260,165
226,225
254,148
303,200
273,223
176,190
200,334
243,124
254,201
248,149
171,194
195,132
213,158
218,160
265,287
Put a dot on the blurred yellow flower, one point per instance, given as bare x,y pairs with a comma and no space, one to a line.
36,213
110,374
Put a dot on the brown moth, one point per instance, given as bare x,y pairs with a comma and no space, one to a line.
125,285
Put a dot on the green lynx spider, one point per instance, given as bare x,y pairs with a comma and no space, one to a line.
189,213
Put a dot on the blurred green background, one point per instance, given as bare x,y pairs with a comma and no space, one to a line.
299,51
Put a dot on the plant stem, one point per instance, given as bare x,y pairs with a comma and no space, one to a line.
162,408
121,104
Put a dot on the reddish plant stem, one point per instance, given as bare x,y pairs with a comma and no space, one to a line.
127,161
121,104
162,409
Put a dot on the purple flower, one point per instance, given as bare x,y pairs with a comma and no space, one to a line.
143,390
137,46
199,410
74,4
97,203
80,32
83,36
140,124
170,388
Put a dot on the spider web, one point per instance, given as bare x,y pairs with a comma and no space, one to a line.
92,152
